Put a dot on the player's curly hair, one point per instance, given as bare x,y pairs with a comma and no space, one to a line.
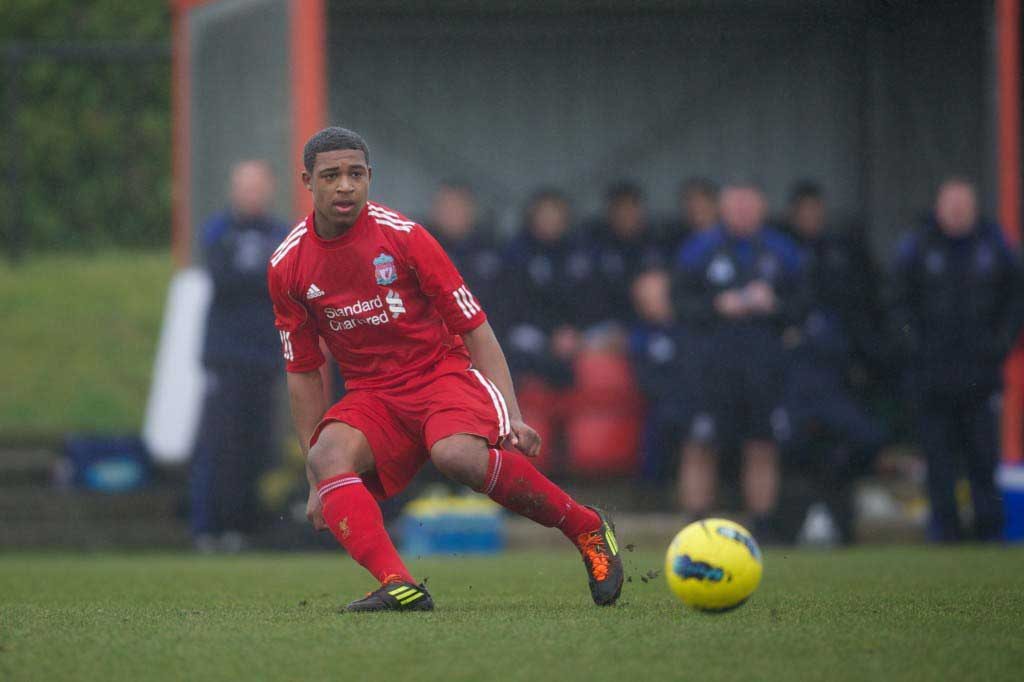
330,139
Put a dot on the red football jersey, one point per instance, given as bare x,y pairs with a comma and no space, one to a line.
384,297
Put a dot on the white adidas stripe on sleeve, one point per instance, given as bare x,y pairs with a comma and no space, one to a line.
286,346
458,296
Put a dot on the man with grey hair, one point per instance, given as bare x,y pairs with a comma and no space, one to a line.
957,313
241,362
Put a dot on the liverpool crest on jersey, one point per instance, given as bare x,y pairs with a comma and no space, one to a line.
384,269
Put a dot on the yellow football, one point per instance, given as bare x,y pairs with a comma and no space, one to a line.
713,565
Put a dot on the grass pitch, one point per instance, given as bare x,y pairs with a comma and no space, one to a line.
864,614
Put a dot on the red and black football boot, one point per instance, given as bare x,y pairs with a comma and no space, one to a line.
600,551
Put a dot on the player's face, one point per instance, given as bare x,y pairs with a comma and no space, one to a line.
809,216
340,184
252,188
549,220
700,210
956,209
626,216
743,210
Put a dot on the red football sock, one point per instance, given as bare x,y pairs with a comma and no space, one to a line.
354,518
514,483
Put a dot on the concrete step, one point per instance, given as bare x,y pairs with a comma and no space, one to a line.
88,535
27,466
45,503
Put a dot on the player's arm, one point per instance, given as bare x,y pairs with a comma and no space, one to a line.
308,405
488,357
300,346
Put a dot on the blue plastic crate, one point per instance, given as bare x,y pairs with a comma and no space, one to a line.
451,525
1011,481
107,464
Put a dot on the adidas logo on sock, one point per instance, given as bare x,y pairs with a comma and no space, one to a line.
313,292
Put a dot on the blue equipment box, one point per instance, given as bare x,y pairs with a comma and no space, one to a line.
451,525
1011,481
107,464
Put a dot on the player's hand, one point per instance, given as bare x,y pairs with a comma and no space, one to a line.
314,512
523,438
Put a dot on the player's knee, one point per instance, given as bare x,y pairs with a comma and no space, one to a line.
337,451
322,458
461,458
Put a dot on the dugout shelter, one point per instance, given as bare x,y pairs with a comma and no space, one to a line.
877,100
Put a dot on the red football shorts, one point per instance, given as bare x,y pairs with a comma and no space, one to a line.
402,424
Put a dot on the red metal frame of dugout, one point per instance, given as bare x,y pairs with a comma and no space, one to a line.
308,46
307,95
1008,75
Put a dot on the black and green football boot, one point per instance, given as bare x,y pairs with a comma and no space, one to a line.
600,551
395,596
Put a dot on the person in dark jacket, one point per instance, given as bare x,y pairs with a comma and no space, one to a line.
624,244
740,286
697,211
455,221
698,208
664,357
832,434
546,289
957,313
242,361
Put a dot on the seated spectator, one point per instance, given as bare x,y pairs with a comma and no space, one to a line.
698,205
625,244
957,313
832,434
455,222
697,211
842,273
739,285
663,357
547,271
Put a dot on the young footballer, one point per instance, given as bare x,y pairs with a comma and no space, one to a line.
424,374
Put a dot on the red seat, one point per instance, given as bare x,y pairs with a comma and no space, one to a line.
543,408
602,444
603,374
605,416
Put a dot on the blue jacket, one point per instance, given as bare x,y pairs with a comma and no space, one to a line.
240,325
665,360
957,306
713,261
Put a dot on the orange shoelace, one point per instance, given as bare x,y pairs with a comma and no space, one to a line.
592,547
389,578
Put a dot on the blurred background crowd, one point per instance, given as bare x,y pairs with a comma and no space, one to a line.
656,346
729,337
